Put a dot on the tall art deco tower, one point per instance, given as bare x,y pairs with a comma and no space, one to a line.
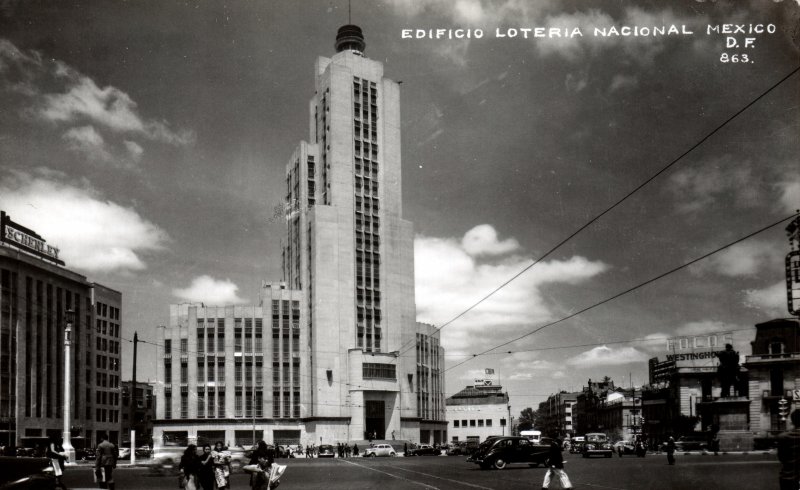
351,252
333,353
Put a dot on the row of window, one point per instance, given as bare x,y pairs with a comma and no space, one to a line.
111,312
476,423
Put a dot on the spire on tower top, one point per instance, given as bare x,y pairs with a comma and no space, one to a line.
350,38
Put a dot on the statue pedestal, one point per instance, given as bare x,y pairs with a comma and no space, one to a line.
730,414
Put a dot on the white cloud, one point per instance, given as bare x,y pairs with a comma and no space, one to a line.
623,82
92,232
90,115
482,240
721,182
606,356
747,258
135,150
449,280
87,140
771,300
109,106
790,195
210,291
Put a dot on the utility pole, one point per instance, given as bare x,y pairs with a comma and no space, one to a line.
132,400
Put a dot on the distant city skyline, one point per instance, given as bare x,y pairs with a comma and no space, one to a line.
150,147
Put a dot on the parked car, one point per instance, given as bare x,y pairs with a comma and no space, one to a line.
499,452
596,444
379,450
627,447
424,450
326,451
26,474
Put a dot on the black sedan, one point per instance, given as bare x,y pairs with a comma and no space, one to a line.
325,451
424,450
26,474
499,452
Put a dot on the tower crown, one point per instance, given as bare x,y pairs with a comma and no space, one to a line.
350,38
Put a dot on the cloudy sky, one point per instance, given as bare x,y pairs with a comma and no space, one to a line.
148,142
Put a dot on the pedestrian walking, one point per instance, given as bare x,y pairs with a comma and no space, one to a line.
205,469
222,466
105,462
346,450
189,467
789,454
555,462
264,473
621,448
670,450
355,450
57,455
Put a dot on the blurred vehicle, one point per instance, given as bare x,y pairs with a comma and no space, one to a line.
168,457
698,442
576,444
282,451
534,435
124,453
424,450
379,450
325,451
89,454
499,452
627,447
144,451
462,448
239,456
596,444
26,474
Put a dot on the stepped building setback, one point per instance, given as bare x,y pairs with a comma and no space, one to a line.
333,352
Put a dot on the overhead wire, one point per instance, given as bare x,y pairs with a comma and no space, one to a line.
610,208
627,291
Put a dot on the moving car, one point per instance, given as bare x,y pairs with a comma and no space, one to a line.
424,450
325,451
124,453
26,474
379,450
462,448
576,444
697,442
627,447
499,452
596,444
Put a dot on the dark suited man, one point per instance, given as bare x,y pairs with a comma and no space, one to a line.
105,463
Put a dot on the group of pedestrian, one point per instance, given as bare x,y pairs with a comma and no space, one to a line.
345,451
209,471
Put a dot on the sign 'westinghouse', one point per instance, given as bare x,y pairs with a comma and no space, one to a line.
26,239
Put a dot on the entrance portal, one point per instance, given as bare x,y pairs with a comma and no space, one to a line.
375,419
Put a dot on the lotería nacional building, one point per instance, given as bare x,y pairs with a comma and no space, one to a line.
333,352
36,291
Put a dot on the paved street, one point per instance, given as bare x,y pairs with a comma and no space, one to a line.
707,472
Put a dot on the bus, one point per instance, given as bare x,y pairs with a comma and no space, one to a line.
534,435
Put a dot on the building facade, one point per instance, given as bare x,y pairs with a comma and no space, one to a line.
773,375
557,416
36,291
144,412
478,412
346,359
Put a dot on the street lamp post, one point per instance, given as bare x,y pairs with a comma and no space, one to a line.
69,319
